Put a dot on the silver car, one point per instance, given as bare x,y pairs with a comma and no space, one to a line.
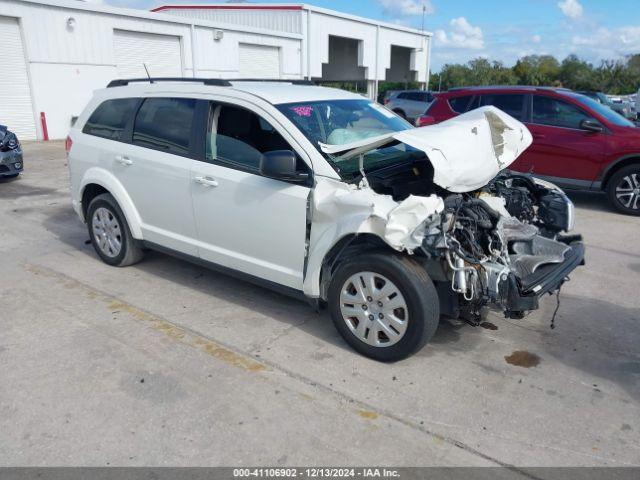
409,104
10,154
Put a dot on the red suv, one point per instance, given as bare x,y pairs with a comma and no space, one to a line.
578,143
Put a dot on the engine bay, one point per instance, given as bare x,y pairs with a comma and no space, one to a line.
496,244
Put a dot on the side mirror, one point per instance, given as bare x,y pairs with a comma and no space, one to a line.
281,165
591,126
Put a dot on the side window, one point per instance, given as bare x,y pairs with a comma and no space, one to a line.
426,96
512,104
239,137
165,124
110,118
459,104
550,111
403,96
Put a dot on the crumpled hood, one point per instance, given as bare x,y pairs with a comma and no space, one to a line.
466,151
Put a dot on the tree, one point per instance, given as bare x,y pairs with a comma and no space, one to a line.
611,76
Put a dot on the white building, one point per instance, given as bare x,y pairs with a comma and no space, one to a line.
56,52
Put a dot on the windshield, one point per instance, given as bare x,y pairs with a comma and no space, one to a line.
603,110
337,122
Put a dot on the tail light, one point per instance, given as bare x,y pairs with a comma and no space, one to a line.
385,101
424,120
68,143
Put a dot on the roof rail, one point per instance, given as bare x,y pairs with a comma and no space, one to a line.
274,80
217,82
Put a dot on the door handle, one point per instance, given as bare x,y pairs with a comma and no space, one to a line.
126,161
538,135
206,181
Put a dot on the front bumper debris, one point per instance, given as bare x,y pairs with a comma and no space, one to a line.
522,294
11,162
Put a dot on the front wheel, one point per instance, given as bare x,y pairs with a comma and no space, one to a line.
623,190
384,305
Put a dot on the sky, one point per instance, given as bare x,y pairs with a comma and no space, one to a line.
495,29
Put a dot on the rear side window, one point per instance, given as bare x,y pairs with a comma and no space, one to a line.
460,104
110,118
556,113
165,124
512,104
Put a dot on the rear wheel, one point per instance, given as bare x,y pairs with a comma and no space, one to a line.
400,113
623,190
384,305
110,234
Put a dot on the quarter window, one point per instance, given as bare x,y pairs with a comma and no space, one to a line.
549,111
110,118
512,104
165,124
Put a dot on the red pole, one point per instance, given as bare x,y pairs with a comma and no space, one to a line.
43,122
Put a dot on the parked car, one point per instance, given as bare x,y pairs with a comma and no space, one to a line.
578,143
11,163
409,104
324,195
623,107
600,97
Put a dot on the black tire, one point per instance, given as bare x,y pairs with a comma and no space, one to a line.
415,286
621,179
130,250
400,113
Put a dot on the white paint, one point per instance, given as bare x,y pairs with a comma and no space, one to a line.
16,110
160,53
259,61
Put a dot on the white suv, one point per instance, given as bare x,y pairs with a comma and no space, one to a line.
324,195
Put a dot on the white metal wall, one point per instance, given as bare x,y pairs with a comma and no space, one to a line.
221,58
259,61
70,50
16,110
160,53
70,47
280,20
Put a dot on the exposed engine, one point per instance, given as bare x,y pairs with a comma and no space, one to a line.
498,243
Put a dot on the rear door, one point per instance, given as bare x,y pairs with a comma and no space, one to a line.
561,150
416,104
155,169
245,221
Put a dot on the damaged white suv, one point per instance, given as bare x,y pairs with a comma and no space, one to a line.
325,195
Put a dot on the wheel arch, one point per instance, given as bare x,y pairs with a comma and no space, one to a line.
97,181
612,168
343,248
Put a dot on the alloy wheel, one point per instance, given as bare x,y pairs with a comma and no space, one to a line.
628,191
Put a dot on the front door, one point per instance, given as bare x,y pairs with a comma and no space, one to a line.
561,150
245,221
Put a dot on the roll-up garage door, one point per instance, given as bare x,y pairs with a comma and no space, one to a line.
16,111
161,54
259,61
